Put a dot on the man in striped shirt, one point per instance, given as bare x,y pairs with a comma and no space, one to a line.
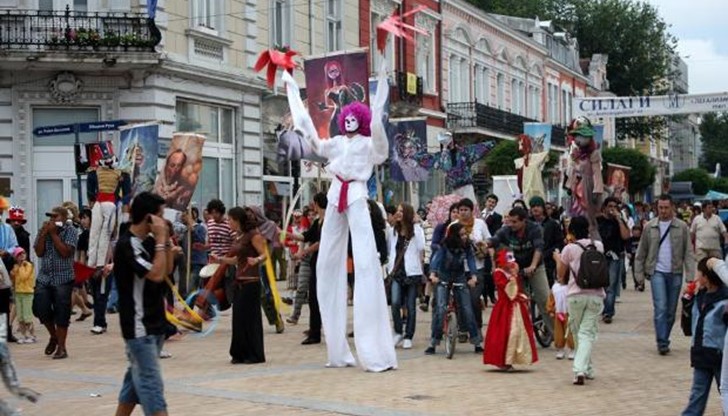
219,234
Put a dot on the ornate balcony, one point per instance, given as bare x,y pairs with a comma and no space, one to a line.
474,115
34,30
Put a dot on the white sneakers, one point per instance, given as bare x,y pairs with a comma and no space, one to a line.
571,355
560,354
397,340
407,344
26,340
98,330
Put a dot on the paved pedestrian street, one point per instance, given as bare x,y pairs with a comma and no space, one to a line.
631,378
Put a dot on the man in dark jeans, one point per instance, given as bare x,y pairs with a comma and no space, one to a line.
143,256
553,236
614,232
55,245
312,236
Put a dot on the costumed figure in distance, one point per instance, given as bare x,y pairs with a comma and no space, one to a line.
584,175
529,167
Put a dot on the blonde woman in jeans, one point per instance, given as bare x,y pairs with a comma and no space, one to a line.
585,305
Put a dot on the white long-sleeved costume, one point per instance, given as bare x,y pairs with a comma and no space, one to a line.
351,160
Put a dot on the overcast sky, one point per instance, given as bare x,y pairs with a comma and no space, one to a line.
702,31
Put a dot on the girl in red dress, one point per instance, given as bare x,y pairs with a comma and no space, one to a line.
509,339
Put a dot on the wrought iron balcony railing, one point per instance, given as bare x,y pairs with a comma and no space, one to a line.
474,114
76,31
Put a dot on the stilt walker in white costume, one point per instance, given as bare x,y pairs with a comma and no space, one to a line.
352,158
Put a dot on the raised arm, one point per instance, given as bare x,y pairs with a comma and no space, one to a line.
300,116
380,148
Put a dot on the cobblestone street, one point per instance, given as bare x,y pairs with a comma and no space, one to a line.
631,378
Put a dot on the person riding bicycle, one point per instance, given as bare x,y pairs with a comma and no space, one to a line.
448,266
525,239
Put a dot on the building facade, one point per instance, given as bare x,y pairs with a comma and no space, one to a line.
85,61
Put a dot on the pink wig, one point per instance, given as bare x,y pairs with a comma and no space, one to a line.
363,115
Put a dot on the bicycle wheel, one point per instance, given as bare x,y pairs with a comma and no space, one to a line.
540,330
451,334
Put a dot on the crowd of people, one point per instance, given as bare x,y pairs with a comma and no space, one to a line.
530,253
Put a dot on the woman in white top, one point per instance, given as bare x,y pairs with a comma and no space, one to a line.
585,305
406,241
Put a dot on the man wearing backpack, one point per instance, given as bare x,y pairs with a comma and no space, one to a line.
663,255
614,233
525,239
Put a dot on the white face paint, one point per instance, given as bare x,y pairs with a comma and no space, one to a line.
351,124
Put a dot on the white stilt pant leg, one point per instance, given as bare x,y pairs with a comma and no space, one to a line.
332,287
372,329
94,232
103,216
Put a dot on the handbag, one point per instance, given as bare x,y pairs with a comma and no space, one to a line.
398,273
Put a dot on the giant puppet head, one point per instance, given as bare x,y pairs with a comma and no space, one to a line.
356,118
581,131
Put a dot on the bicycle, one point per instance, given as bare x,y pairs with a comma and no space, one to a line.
543,334
450,320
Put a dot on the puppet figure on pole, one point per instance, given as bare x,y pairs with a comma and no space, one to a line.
456,161
529,167
106,186
584,175
352,158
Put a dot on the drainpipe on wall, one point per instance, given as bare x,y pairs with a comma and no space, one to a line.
310,27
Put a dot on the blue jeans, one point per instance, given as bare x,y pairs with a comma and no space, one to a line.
410,302
615,282
665,294
462,299
143,378
702,379
113,296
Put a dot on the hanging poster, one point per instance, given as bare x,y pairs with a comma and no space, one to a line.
407,144
333,82
182,169
618,181
139,149
540,134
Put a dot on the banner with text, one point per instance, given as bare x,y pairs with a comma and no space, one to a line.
658,105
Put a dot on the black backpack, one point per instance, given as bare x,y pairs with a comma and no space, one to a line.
593,268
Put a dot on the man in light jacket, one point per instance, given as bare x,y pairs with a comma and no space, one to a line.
663,255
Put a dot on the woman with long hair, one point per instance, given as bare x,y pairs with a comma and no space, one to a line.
246,345
448,266
406,247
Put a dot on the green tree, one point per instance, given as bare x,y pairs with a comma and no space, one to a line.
641,174
630,32
720,185
714,136
701,179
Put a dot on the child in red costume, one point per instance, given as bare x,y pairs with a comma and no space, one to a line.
509,339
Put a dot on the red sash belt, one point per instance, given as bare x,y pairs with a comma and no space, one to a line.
343,194
105,197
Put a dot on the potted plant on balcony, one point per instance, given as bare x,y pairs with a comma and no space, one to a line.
110,40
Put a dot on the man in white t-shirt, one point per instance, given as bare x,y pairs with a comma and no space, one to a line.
479,235
663,255
706,232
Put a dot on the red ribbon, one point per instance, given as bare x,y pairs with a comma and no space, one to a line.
343,194
273,59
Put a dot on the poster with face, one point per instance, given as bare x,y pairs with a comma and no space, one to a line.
618,181
540,134
333,82
182,169
139,147
407,141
